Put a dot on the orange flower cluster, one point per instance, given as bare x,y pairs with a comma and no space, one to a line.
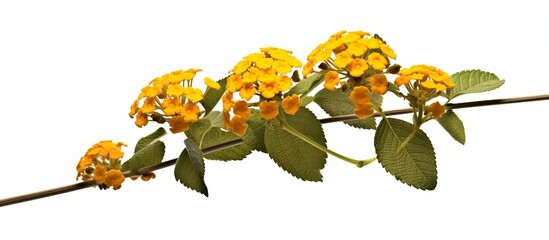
102,164
351,54
261,74
429,77
169,98
357,57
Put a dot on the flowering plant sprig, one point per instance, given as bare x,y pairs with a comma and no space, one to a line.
264,108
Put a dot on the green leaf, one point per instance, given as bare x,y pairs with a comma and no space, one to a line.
143,142
206,135
337,103
294,155
255,136
212,96
473,81
453,125
149,155
217,136
148,151
307,84
305,100
415,163
189,168
216,119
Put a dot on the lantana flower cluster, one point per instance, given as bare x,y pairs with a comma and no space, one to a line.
102,164
261,74
424,83
354,61
169,98
357,59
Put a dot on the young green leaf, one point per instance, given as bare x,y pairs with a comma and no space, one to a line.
307,84
148,151
473,81
212,96
453,125
337,103
294,155
415,163
189,168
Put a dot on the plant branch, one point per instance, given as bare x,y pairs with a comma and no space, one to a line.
165,164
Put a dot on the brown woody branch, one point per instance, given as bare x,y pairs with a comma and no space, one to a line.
91,183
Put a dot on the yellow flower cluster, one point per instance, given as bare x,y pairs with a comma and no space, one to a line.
355,53
170,98
261,74
102,164
429,77
357,57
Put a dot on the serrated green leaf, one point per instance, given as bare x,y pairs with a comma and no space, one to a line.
415,163
473,81
160,132
307,84
212,96
294,155
217,136
255,136
205,135
149,155
148,151
453,125
189,168
337,103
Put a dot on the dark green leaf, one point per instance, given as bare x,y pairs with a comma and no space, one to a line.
217,136
294,155
189,168
413,163
205,135
143,142
148,151
453,125
149,155
473,81
337,103
255,136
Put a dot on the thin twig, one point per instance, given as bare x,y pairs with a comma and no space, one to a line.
91,183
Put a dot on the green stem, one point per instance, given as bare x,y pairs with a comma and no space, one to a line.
358,163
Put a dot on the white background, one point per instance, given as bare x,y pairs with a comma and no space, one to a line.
70,70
